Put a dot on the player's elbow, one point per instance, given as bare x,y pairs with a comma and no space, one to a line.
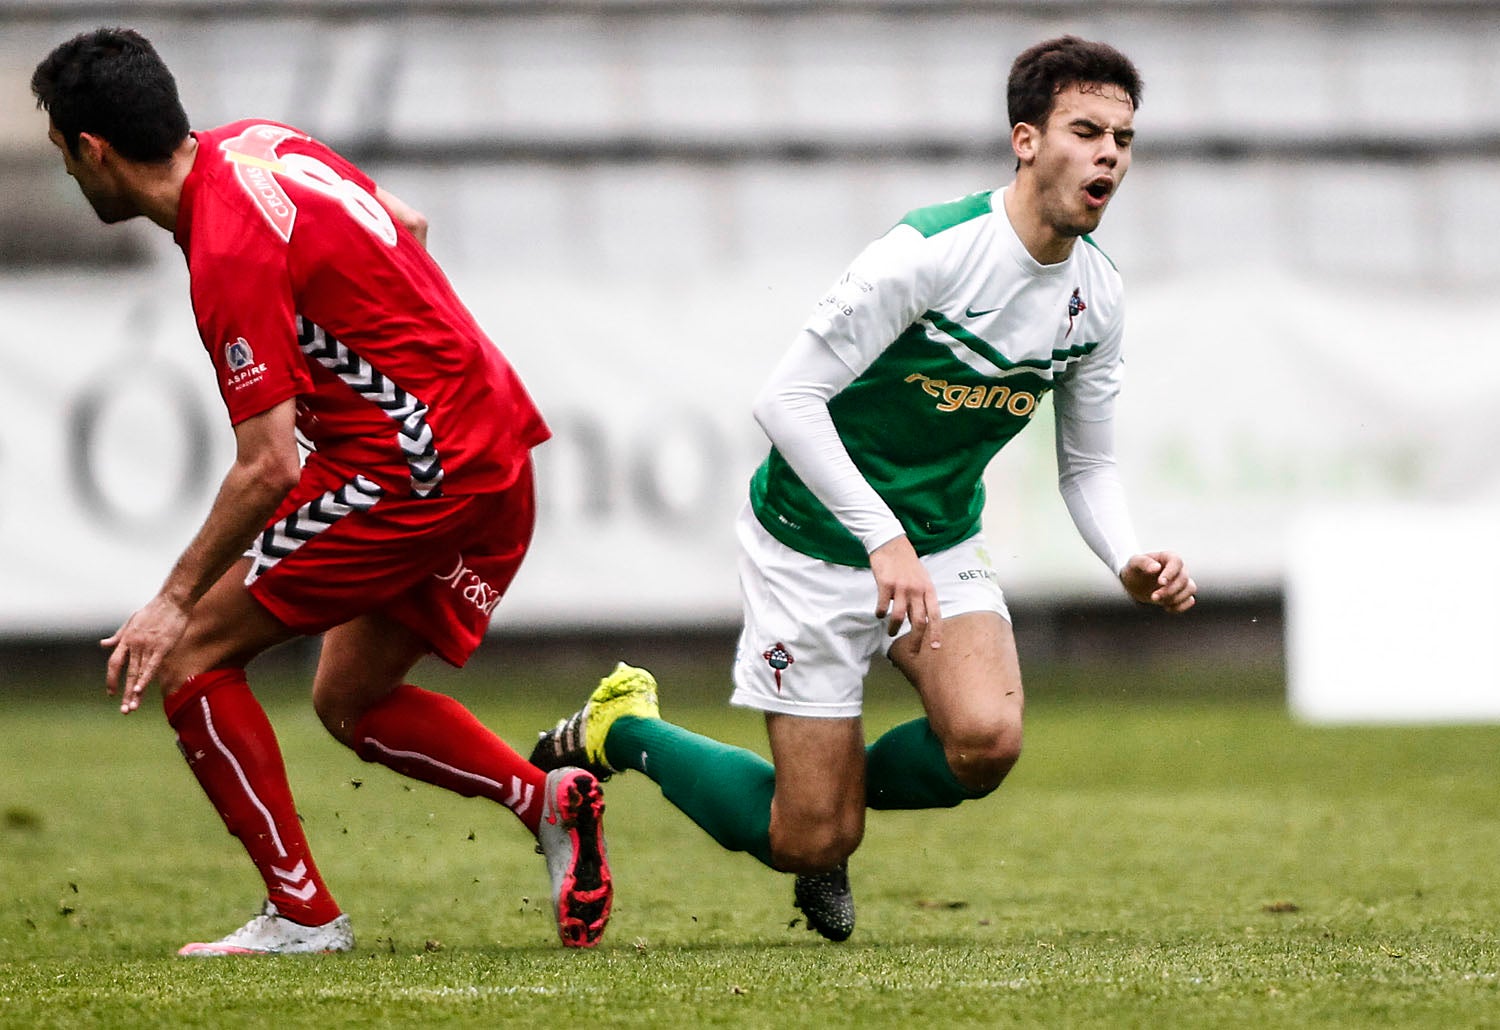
416,223
780,411
274,474
764,410
1074,472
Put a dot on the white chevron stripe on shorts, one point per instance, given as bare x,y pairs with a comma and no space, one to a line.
316,516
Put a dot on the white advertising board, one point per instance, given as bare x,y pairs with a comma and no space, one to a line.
1248,398
1392,614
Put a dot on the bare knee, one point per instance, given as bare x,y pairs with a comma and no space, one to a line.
814,842
982,755
362,662
170,678
179,666
339,712
226,629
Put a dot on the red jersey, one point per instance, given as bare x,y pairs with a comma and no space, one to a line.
304,286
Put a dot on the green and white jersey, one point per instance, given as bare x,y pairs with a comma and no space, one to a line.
954,334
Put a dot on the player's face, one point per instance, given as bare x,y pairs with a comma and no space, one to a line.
96,185
1081,156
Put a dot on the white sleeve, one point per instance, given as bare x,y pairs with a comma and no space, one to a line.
885,289
1084,401
793,410
1090,484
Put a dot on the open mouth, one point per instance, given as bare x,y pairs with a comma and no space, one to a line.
1099,189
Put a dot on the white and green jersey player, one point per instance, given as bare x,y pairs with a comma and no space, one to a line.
948,334
862,533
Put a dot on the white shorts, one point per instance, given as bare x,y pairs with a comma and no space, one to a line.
810,630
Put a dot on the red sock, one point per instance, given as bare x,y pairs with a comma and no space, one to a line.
433,738
229,744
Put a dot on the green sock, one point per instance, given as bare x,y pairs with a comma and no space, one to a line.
906,768
726,790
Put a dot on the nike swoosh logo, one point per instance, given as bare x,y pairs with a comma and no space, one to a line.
971,313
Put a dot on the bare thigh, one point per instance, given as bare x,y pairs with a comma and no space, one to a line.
818,812
971,690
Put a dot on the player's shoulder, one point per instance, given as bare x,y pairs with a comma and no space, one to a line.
251,132
936,219
1101,268
1096,256
943,236
233,208
1098,288
229,153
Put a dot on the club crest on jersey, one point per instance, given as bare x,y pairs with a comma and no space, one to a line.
778,658
1076,306
243,369
238,355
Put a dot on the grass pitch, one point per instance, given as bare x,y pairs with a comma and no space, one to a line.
1159,858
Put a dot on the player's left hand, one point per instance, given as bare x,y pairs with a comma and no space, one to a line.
905,592
1160,578
138,648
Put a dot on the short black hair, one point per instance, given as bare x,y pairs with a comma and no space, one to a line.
112,83
1043,71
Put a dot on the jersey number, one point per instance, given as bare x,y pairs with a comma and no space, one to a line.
258,167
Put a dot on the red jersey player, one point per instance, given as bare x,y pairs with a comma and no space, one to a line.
324,317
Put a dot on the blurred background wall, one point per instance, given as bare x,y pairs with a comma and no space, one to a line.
641,201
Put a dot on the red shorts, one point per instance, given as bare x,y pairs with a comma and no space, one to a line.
338,548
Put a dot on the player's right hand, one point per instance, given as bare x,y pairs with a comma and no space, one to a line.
138,647
905,592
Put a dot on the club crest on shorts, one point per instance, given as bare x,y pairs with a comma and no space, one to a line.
778,658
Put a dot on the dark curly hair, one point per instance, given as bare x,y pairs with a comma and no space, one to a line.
1051,66
112,83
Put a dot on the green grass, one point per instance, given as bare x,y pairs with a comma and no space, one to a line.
1161,857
